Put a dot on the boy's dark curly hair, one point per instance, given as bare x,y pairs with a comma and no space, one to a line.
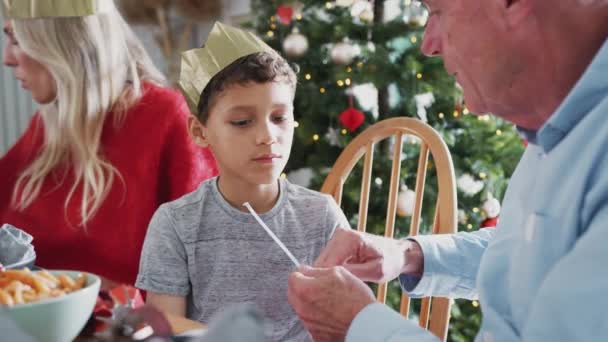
260,67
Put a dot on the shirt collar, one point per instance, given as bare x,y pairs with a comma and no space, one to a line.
587,93
528,134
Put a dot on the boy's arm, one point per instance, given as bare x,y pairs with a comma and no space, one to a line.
335,218
163,268
174,305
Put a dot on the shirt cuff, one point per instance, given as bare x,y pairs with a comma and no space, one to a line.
414,286
434,280
377,322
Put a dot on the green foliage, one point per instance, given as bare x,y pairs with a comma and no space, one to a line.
484,147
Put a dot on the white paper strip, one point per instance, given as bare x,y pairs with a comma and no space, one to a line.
274,237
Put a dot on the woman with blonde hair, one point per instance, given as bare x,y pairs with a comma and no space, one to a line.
108,145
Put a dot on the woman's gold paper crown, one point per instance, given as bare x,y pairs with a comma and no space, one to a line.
224,45
31,9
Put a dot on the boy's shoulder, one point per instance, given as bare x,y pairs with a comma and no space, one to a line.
186,212
298,192
301,197
312,206
195,197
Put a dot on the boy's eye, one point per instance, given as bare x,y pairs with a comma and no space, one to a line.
279,118
240,123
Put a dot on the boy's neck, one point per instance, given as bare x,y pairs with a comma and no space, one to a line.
262,197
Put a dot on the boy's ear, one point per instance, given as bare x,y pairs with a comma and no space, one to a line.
197,132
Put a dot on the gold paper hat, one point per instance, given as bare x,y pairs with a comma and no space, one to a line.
224,45
31,9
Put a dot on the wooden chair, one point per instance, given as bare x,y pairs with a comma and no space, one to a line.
435,312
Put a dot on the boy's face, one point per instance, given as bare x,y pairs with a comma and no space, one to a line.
250,131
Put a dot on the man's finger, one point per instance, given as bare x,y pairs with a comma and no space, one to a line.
314,272
301,283
307,283
339,249
303,268
333,257
299,276
369,271
300,289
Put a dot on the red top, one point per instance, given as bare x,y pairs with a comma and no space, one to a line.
158,163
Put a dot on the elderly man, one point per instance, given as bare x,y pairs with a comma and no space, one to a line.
541,275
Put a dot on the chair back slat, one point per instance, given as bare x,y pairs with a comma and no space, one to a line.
365,187
425,312
423,161
404,307
393,195
440,308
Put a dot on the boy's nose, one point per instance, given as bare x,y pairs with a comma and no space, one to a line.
266,135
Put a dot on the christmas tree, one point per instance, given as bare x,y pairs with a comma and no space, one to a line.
360,62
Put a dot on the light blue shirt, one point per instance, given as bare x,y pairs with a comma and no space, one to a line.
542,274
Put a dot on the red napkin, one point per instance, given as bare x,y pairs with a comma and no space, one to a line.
107,300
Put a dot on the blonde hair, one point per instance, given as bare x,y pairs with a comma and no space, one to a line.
98,66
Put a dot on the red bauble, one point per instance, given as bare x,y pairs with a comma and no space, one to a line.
285,14
489,222
352,119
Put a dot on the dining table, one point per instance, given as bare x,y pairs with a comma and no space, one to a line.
179,326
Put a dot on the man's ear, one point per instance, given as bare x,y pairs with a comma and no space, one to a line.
517,11
197,132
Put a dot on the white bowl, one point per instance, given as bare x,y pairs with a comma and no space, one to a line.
58,319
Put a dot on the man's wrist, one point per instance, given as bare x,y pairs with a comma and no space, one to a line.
414,259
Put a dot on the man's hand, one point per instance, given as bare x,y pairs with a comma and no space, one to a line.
327,300
371,258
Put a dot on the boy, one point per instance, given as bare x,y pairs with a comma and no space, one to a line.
204,251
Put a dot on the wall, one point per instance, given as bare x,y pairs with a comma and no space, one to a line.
16,106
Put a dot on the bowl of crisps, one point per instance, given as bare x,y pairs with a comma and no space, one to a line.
51,306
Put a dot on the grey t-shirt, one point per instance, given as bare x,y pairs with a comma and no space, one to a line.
201,247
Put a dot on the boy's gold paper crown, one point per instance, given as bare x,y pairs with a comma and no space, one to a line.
31,9
224,45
